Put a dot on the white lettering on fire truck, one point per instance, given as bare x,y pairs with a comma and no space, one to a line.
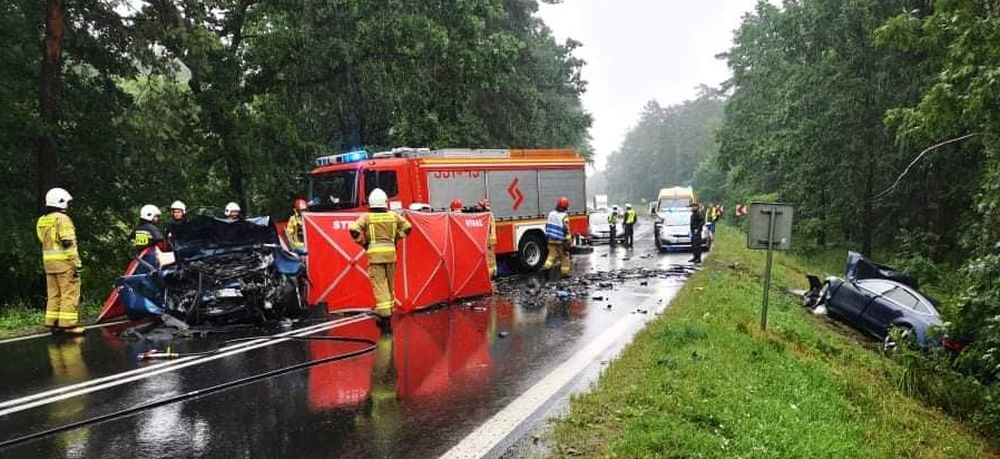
455,174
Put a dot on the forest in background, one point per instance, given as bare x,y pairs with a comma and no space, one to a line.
878,120
125,103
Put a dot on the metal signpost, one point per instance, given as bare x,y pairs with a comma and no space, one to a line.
770,229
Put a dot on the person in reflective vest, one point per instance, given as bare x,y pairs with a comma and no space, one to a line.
629,224
294,230
558,236
613,223
378,230
491,243
61,262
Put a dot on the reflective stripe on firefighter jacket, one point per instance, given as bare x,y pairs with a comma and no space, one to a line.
557,227
145,235
630,216
58,237
380,231
294,232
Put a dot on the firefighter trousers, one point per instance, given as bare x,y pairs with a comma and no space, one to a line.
491,259
382,275
558,253
63,290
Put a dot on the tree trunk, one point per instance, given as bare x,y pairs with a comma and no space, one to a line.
868,217
48,98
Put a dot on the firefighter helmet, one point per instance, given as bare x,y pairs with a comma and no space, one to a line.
628,205
563,202
456,204
300,204
232,209
58,198
148,212
179,205
378,199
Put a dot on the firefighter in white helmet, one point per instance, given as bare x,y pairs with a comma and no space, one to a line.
61,261
232,211
147,234
378,230
178,215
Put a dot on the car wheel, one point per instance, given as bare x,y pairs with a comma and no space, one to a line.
532,251
896,335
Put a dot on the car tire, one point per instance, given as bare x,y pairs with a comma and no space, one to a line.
532,251
889,344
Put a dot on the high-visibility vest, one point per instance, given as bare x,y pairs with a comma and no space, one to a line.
630,216
557,227
381,230
613,218
52,229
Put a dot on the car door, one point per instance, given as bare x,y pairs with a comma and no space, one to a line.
852,298
886,309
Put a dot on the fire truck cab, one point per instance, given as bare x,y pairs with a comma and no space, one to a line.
522,186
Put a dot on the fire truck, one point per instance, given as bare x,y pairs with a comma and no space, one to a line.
522,186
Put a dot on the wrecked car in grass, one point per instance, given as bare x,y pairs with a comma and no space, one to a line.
878,301
222,272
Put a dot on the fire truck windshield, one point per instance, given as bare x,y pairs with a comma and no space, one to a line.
334,190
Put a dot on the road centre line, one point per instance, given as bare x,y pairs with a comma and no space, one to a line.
482,441
86,387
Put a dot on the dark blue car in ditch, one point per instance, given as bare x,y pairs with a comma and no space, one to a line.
877,300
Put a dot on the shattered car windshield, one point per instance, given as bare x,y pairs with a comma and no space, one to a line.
676,218
333,190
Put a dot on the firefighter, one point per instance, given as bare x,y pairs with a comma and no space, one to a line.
697,223
613,223
491,244
147,234
629,224
232,211
456,205
558,235
378,230
61,261
178,215
295,230
178,212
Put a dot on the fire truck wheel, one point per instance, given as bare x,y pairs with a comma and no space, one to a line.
531,251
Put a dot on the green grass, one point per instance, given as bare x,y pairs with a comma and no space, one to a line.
704,381
22,319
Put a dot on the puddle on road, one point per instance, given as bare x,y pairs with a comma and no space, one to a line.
438,376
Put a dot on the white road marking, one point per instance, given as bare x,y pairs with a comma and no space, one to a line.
94,385
44,334
488,436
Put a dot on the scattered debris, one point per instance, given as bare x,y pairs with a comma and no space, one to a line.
597,298
502,334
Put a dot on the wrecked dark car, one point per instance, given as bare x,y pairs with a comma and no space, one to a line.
878,301
223,272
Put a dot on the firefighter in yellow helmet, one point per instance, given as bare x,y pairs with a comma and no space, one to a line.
295,228
61,261
558,235
378,230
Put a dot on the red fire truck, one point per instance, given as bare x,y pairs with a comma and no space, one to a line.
522,186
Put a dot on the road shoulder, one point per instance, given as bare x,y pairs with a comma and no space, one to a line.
704,381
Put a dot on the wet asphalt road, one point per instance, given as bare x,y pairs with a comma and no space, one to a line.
436,379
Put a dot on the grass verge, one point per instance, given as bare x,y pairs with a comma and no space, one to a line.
18,319
704,381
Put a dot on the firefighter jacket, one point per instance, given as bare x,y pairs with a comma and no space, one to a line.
493,230
57,234
557,227
630,216
145,235
378,232
294,231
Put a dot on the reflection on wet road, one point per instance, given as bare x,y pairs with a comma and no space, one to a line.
438,377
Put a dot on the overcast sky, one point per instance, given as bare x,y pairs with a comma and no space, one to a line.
639,50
